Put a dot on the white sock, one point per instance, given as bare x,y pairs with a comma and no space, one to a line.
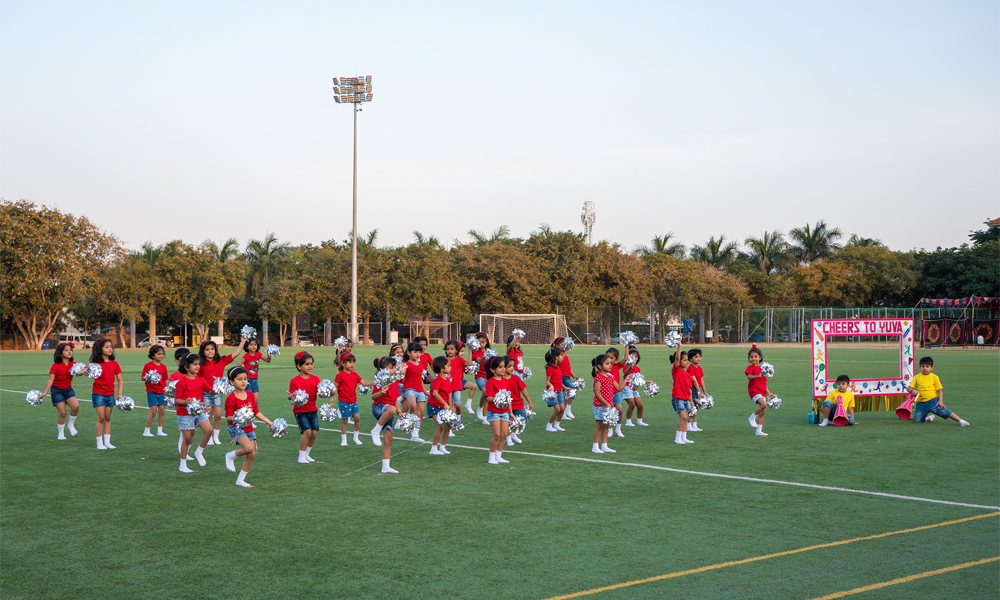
180,441
549,427
62,428
500,458
559,426
107,441
72,421
825,423
597,448
628,423
604,447
302,457
184,466
215,436
679,438
386,468
240,479
963,422
760,431
100,443
493,458
309,454
159,431
686,440
145,432
343,439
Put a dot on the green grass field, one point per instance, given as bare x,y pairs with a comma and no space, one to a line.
81,523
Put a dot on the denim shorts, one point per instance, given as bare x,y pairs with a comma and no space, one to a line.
568,382
758,397
481,383
420,396
60,395
599,412
559,399
102,400
154,399
681,405
922,409
520,412
236,432
627,392
432,410
377,410
307,420
253,387
617,398
694,392
188,422
346,409
492,416
213,400
833,410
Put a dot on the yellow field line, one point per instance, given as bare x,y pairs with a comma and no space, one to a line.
876,586
765,557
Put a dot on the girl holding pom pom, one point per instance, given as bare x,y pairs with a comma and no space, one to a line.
155,397
514,351
567,376
616,372
241,397
481,376
555,383
518,394
191,387
414,397
757,388
212,367
681,394
385,406
251,360
103,394
440,399
631,392
340,351
498,418
605,388
305,415
347,397
452,350
61,384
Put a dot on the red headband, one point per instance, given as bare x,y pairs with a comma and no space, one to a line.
348,357
300,355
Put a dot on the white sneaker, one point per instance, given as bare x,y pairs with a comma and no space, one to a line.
200,458
72,430
510,442
443,450
502,460
231,461
148,433
376,438
641,424
516,439
559,427
549,427
434,452
468,406
753,420
357,439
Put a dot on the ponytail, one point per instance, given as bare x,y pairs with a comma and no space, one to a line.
597,362
551,356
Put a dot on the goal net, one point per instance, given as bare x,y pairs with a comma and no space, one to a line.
538,329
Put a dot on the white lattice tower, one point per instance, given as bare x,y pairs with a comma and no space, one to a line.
588,218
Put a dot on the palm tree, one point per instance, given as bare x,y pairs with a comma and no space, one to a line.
813,243
662,245
150,254
768,253
500,234
427,241
264,259
229,250
365,240
857,240
716,252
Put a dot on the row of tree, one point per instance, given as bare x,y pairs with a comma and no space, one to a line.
56,264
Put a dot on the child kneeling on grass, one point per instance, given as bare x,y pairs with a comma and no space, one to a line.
244,436
841,394
930,395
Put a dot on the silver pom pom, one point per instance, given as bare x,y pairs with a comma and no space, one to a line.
630,360
489,353
502,399
638,380
529,413
398,359
517,425
125,404
693,411
248,332
329,413
672,338
171,389
580,383
527,372
628,338
549,396
705,402
299,398
152,378
383,379
272,351
77,369
407,422
774,402
279,428
610,416
34,397
473,343
94,370
221,387
195,407
400,374
568,344
340,342
171,402
518,333
472,368
651,389
364,390
767,370
569,394
243,417
449,418
324,389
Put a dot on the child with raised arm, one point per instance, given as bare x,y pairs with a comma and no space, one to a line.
555,382
347,381
930,395
213,366
697,384
60,383
840,394
251,360
156,398
681,394
567,377
241,397
385,406
440,399
757,388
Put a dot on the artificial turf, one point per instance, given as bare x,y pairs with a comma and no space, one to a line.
77,522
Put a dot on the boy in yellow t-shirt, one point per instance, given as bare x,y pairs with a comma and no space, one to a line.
841,394
930,395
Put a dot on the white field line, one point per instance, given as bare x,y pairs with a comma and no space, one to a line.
669,469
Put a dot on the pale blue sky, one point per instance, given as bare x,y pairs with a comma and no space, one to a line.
164,120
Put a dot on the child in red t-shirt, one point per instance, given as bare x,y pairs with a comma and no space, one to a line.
518,394
757,388
244,436
156,399
213,366
514,351
681,394
481,376
385,406
61,384
191,387
251,360
179,353
305,415
453,350
498,418
697,384
440,399
631,391
103,394
605,388
347,397
555,382
567,377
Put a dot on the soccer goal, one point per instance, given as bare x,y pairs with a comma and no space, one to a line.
538,329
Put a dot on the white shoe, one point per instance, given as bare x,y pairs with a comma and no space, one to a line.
502,460
629,424
200,458
184,468
434,452
485,422
357,439
72,430
618,432
753,420
479,414
687,441
160,433
605,448
108,446
343,442
824,423
641,424
303,460
231,461
443,450
389,470
148,433
516,439
761,433
310,459
493,461
597,451
510,442
416,438
929,418
559,427
376,438
549,427
468,406
568,416
211,441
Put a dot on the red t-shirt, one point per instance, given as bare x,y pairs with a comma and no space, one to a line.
347,386
516,387
493,386
233,404
176,376
309,385
105,384
481,373
607,389
63,379
682,383
210,370
389,397
756,386
425,362
458,365
564,367
635,371
443,386
252,363
555,376
412,379
616,371
162,370
190,389
518,357
696,374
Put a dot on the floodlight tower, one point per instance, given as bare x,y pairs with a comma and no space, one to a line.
354,90
588,217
